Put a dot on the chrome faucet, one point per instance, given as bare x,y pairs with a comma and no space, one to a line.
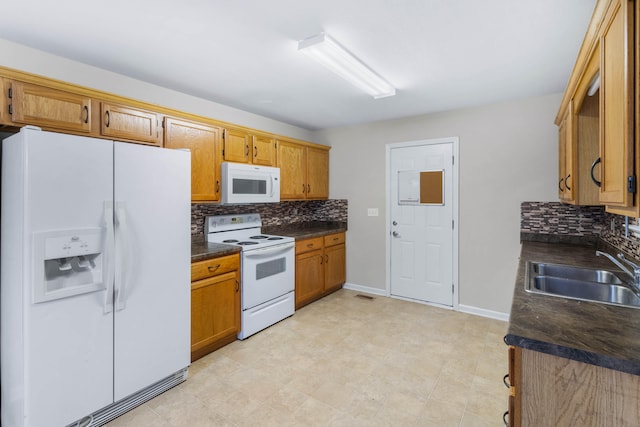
635,275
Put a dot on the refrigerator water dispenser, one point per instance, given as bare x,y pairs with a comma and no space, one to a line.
67,263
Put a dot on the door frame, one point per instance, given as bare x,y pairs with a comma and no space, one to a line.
454,140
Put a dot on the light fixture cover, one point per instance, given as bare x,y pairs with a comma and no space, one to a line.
329,53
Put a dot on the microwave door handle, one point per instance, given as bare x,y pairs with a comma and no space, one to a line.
271,178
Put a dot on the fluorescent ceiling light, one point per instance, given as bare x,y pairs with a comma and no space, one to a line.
329,53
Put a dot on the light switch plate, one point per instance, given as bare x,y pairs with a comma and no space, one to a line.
372,212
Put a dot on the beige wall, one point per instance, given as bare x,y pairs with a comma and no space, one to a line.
23,58
508,154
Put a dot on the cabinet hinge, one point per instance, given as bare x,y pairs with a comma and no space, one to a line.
631,184
10,92
224,134
10,109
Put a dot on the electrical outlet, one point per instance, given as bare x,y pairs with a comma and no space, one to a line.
372,212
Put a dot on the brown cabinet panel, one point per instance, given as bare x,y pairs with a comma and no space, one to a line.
128,123
212,267
214,303
4,102
317,173
335,258
203,142
309,245
293,171
263,151
236,146
617,105
48,108
309,276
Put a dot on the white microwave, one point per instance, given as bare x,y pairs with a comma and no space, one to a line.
244,183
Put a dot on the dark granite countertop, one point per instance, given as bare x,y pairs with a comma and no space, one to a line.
201,249
307,230
600,334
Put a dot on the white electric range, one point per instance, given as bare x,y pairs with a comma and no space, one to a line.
267,269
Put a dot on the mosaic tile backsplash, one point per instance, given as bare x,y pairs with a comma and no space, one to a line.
568,220
274,213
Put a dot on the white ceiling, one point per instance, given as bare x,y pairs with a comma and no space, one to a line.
440,54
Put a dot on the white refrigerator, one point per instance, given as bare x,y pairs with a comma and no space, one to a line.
94,277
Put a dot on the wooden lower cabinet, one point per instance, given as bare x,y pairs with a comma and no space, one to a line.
552,391
215,304
320,267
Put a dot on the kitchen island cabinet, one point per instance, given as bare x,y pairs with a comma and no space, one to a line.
215,304
203,141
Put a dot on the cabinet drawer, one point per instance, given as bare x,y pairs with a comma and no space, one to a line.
334,239
215,266
309,245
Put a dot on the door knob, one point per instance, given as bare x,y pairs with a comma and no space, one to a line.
394,223
395,234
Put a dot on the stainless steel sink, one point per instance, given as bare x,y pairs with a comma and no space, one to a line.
579,283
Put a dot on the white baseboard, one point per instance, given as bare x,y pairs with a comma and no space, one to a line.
483,312
365,289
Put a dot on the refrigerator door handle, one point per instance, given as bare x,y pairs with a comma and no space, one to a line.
109,265
123,238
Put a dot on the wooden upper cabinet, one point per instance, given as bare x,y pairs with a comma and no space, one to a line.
317,173
48,108
263,150
4,98
133,124
203,141
617,99
304,171
235,146
293,171
566,175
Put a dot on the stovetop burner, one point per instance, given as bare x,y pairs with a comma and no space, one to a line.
241,230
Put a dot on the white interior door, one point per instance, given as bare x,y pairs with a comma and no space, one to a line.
422,237
153,241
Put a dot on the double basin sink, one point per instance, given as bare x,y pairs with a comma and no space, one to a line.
585,284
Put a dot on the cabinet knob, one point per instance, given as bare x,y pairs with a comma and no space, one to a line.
212,269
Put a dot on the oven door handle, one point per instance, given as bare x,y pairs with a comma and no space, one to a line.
261,253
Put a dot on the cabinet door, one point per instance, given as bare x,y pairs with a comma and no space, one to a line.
309,277
49,108
292,164
263,150
203,142
317,173
335,267
566,187
215,310
617,106
236,146
4,98
128,123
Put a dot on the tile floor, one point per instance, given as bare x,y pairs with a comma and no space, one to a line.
346,361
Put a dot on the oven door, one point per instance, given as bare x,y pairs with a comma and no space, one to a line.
267,274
